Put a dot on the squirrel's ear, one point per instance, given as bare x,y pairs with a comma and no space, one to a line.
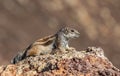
65,28
62,28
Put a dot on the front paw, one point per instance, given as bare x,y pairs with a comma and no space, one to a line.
70,49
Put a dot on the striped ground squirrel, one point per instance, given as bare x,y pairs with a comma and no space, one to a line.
48,44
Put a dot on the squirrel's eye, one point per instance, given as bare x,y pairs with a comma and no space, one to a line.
72,30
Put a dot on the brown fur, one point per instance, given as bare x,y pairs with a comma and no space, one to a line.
48,44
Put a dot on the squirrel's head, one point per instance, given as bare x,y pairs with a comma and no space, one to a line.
70,32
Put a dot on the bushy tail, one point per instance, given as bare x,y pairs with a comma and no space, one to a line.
17,58
20,56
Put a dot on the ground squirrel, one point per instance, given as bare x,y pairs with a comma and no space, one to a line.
47,44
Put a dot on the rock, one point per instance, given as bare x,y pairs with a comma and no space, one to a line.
89,62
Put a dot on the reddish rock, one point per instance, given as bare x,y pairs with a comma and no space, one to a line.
90,62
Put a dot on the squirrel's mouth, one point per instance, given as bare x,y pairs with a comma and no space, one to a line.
76,36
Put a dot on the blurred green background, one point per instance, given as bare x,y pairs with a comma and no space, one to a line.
24,21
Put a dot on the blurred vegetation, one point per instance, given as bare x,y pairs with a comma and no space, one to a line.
24,21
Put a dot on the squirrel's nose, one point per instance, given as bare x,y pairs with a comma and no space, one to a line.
78,34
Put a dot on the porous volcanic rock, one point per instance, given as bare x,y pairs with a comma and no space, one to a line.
89,62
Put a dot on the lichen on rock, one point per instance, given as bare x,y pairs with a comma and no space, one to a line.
89,62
